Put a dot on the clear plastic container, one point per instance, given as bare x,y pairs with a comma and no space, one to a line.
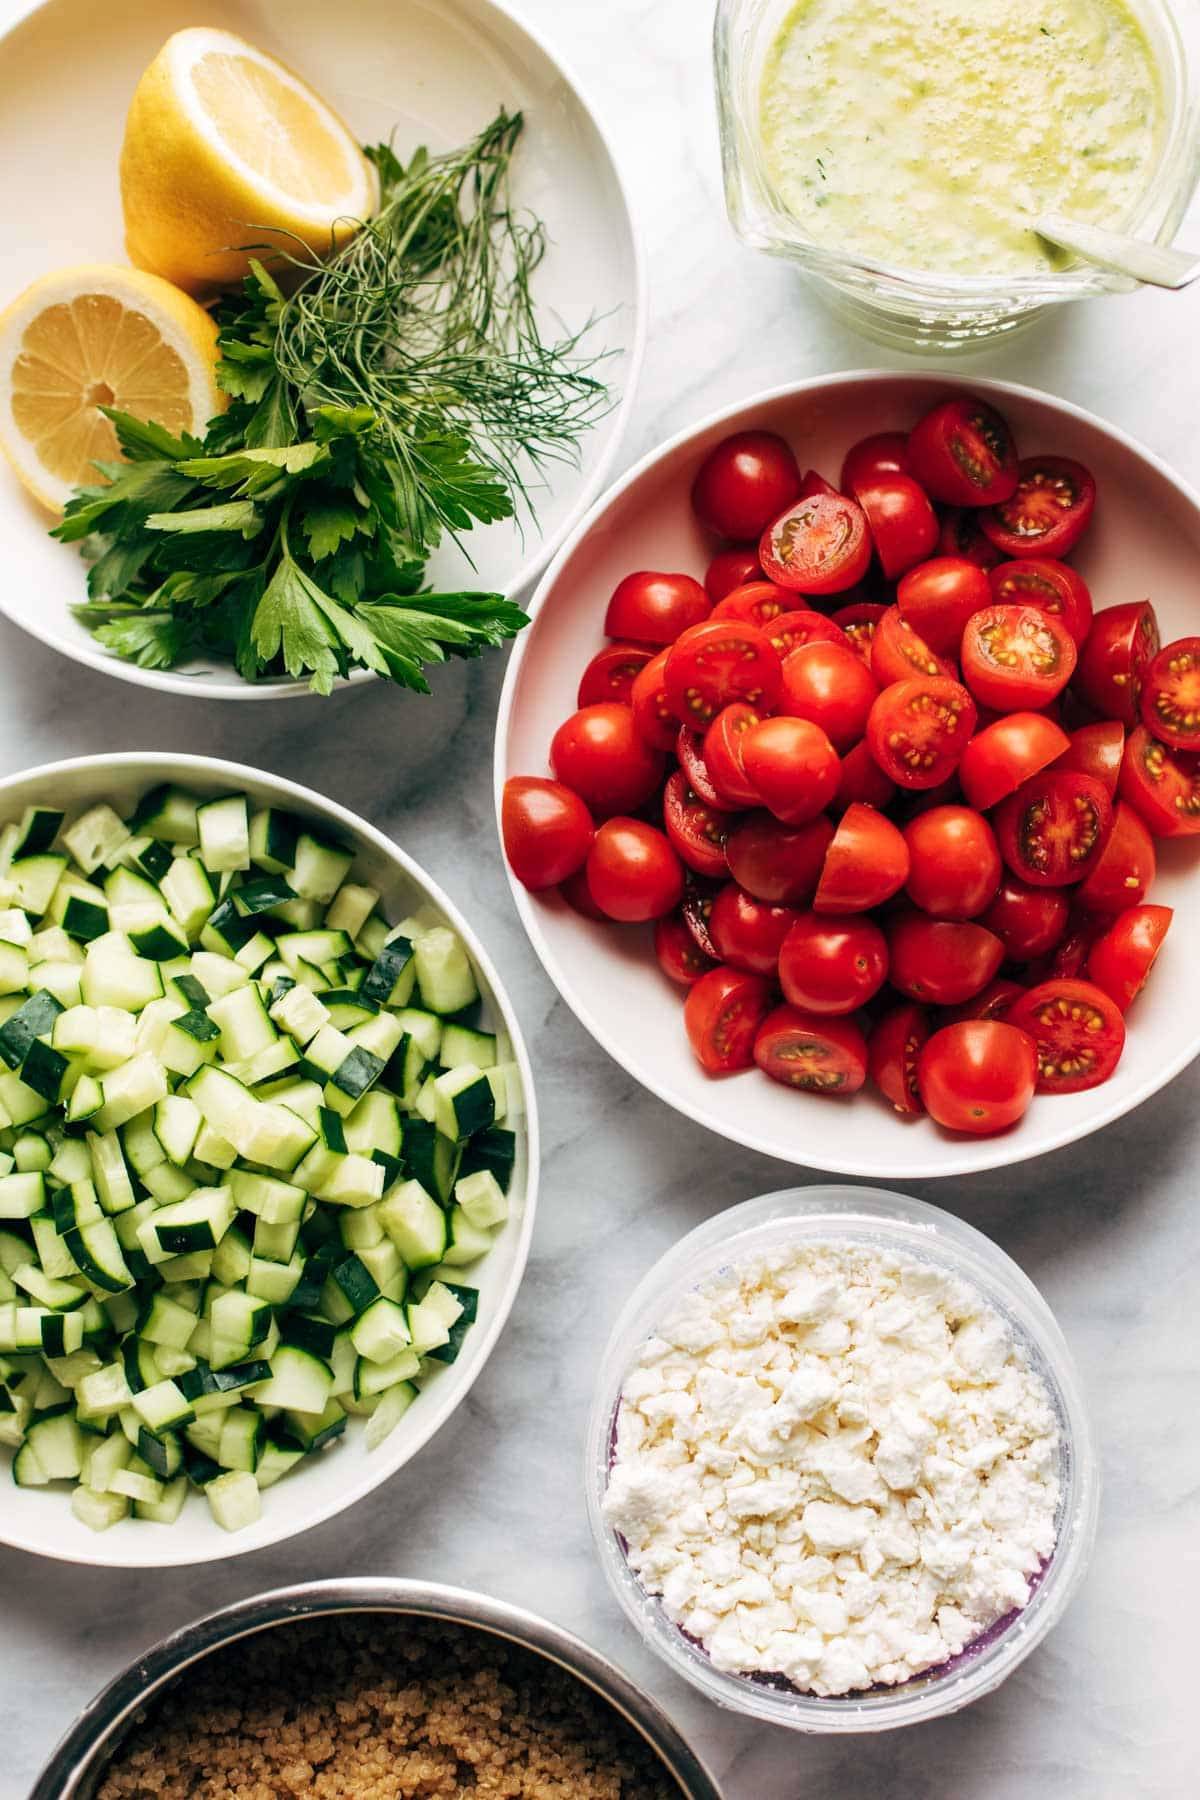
921,309
893,1222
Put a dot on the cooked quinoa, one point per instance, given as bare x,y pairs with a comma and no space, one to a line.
381,1708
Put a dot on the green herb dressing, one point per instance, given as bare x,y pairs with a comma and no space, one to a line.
931,133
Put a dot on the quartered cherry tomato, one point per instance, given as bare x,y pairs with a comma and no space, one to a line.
777,862
1053,587
757,603
679,958
960,535
599,755
656,725
1015,658
1120,647
1049,511
1170,700
633,872
898,651
830,685
1125,867
866,863
1078,1030
963,453
730,569
816,1055
1003,755
818,546
1029,921
893,1048
862,781
1161,784
919,729
883,453
652,608
858,622
832,965
714,664
1052,830
722,1014
903,525
1121,960
748,932
978,1076
954,863
744,483
611,674
1096,750
793,766
697,831
723,754
941,962
938,597
547,830
689,751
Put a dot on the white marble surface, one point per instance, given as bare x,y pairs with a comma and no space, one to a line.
1106,1708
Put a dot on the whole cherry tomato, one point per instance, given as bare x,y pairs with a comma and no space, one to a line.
866,863
1011,751
937,597
962,453
954,862
547,830
1078,1030
744,483
832,965
829,685
653,608
941,962
978,1076
817,1055
793,766
777,862
894,1046
748,932
722,1014
602,758
633,872
1121,960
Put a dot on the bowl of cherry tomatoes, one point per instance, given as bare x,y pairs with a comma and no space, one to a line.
849,772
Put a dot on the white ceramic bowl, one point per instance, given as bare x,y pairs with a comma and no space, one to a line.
1145,539
431,72
40,1519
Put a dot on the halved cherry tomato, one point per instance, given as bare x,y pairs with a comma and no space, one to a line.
678,956
978,1076
866,863
547,830
893,1049
830,685
1029,921
1171,695
744,483
1052,830
793,766
579,897
818,546
730,569
903,525
1078,1030
816,1055
689,749
1120,647
723,754
633,872
748,932
1049,511
883,453
653,719
714,664
960,535
1125,867
602,758
898,651
992,1003
777,862
941,961
938,597
792,630
1096,750
695,912
722,1014
1121,960
919,729
696,830
832,966
648,607
859,622
1162,785
962,453
862,781
1003,755
1053,587
1016,658
757,603
954,864
611,674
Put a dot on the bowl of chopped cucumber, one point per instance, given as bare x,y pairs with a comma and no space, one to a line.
268,1158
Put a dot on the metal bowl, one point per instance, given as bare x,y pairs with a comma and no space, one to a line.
75,1768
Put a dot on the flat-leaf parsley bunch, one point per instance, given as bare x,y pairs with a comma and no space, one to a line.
397,394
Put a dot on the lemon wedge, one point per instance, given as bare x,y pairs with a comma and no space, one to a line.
225,147
90,337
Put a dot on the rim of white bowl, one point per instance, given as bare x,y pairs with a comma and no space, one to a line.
175,1555
965,1157
534,565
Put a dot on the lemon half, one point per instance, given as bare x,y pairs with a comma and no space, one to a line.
97,336
225,147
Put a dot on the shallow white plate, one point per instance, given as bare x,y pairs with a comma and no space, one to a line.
1145,540
40,1519
431,71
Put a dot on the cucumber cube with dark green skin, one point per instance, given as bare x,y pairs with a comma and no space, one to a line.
163,1454
356,1282
380,980
43,1070
193,992
311,1431
260,895
153,860
37,831
274,835
358,1072
87,919
465,1102
160,942
333,1130
468,1299
308,1333
494,1150
31,1020
197,1025
431,1159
